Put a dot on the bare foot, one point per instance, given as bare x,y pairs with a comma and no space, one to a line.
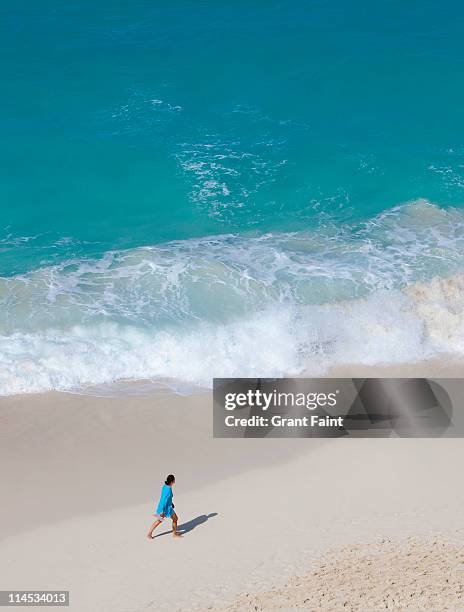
177,535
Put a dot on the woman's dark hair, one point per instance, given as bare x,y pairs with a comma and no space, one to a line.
170,479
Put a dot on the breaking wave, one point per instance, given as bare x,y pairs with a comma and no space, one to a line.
388,290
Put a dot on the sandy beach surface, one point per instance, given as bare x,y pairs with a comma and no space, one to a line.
449,366
268,523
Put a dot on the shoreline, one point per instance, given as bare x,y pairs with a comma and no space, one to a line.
420,323
449,366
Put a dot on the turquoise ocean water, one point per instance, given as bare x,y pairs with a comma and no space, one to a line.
247,188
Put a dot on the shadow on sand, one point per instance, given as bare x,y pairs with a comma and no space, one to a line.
190,525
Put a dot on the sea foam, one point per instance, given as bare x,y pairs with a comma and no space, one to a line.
387,290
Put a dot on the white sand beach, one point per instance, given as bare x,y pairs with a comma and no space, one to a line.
201,205
81,474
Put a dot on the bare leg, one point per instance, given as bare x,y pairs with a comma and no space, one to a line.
152,529
174,525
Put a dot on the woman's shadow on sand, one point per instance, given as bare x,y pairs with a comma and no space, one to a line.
190,525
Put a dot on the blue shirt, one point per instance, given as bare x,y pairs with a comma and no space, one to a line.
165,502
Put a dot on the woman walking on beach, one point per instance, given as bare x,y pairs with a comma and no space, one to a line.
165,508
